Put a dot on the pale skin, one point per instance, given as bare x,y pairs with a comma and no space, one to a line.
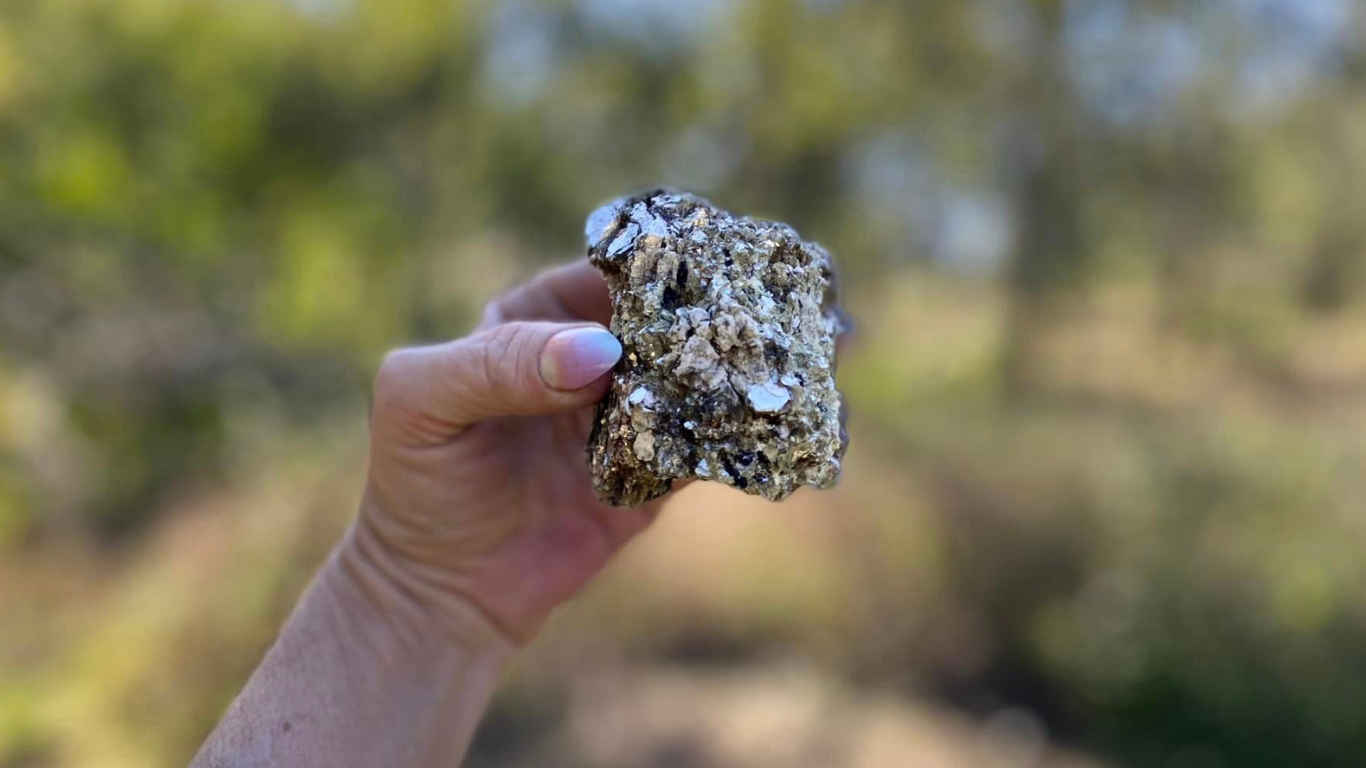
478,518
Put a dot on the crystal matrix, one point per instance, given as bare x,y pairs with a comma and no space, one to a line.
728,327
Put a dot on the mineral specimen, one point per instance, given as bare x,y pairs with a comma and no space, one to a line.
728,328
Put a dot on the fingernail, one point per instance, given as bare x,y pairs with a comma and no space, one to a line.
577,357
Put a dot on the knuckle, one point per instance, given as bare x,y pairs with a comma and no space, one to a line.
492,315
500,354
405,402
391,379
397,388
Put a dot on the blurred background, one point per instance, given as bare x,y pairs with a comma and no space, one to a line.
1105,503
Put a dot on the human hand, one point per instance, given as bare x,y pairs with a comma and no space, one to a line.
478,502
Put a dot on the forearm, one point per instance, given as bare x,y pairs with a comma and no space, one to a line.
362,675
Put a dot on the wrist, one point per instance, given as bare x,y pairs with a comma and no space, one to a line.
376,584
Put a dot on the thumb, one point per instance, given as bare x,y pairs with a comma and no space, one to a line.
515,369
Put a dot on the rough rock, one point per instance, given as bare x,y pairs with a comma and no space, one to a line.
728,330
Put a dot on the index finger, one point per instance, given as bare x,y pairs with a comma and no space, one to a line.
571,292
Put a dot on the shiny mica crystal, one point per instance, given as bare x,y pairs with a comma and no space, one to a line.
728,326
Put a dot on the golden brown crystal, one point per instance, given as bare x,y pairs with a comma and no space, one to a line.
728,327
